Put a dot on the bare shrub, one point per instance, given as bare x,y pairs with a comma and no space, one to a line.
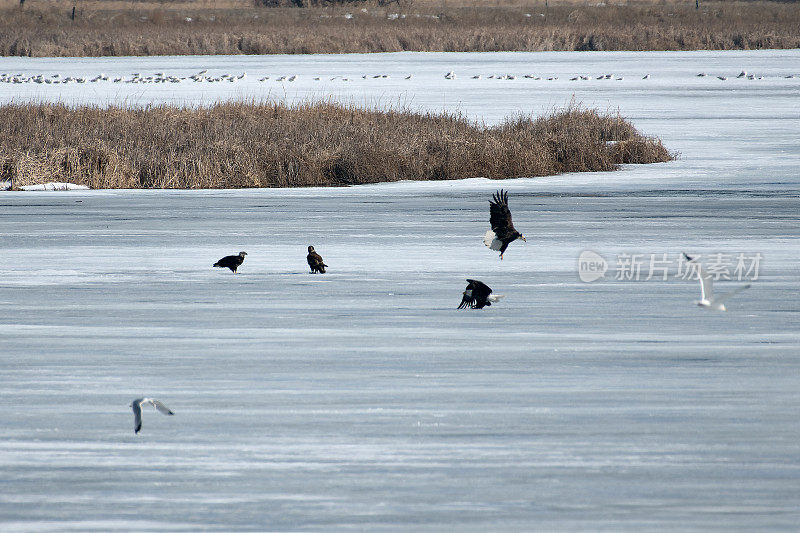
236,145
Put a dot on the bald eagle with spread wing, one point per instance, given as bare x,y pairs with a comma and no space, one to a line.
477,295
503,232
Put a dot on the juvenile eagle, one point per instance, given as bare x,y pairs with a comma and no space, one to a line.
231,261
477,295
315,261
502,233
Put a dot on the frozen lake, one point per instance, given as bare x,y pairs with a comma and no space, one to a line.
362,399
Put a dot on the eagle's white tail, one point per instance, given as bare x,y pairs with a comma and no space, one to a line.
494,298
491,240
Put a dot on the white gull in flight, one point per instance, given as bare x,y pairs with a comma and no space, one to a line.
707,298
137,404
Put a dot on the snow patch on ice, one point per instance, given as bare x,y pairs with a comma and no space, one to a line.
54,186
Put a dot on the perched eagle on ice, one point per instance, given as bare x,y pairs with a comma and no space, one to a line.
315,261
502,233
231,261
477,295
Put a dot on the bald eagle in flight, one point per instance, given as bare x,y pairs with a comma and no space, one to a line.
503,232
231,261
315,261
477,295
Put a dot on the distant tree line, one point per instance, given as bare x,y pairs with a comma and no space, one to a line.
307,3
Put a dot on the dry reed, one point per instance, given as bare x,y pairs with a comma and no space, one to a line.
106,28
237,145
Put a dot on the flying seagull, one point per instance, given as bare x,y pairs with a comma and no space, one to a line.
137,404
231,261
502,233
315,261
707,299
477,295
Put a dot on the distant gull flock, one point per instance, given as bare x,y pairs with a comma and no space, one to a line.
204,77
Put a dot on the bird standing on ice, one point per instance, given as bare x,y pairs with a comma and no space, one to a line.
231,261
707,299
478,295
137,404
315,261
503,232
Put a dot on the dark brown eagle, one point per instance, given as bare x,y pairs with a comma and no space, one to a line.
503,232
231,261
315,261
477,295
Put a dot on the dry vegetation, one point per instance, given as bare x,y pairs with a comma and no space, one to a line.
235,145
114,28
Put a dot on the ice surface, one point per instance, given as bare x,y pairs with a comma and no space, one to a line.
362,399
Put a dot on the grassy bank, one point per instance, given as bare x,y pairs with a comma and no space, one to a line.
236,145
108,28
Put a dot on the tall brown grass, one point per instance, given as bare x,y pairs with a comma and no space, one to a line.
236,145
106,28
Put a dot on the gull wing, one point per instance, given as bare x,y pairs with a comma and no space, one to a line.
706,284
161,407
722,297
137,415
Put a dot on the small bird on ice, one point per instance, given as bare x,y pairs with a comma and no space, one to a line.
137,404
478,295
707,299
